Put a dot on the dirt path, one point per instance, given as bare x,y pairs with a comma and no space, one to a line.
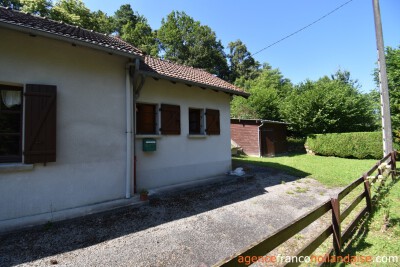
195,228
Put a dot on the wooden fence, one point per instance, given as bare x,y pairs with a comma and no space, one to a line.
339,237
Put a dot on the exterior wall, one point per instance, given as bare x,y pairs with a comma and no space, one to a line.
91,139
180,158
246,136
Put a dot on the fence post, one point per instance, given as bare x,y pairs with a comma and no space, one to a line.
337,234
393,159
367,189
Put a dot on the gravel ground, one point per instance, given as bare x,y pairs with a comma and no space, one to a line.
195,228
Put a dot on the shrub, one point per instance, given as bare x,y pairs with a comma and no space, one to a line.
360,145
296,144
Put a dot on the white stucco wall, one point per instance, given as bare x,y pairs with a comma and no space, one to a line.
91,131
91,139
179,158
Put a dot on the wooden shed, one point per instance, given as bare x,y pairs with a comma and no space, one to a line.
260,138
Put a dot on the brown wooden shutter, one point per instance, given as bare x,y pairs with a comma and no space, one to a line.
40,123
212,122
146,119
170,119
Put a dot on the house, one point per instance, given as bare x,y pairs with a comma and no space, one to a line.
87,120
259,138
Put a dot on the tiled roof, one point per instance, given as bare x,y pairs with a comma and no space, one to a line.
50,28
159,68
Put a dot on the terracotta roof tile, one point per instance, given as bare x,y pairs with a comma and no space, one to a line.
172,71
39,25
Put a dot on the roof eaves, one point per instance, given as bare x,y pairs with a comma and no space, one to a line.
39,32
274,122
201,85
260,121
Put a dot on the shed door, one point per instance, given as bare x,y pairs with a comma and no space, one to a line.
267,143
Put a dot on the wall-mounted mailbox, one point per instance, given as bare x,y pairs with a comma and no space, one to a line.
149,144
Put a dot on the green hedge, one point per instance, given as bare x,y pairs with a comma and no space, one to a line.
360,145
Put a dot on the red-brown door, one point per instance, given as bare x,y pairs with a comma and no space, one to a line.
267,143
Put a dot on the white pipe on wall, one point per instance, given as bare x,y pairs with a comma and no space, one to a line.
129,132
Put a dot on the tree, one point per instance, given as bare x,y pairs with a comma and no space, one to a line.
134,29
140,36
329,105
186,41
101,22
123,16
38,7
15,4
72,12
242,64
266,92
393,74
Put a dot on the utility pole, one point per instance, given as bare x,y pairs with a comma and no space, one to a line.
383,83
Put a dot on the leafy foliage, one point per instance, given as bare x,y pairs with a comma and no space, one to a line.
15,4
266,92
102,23
39,7
242,64
186,41
72,12
123,16
141,36
329,105
361,145
393,74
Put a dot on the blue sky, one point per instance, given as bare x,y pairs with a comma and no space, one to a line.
345,39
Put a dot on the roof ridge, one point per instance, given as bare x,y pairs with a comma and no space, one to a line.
181,65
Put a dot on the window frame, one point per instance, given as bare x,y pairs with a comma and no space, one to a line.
14,158
201,121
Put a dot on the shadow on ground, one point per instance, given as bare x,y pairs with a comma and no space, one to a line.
56,238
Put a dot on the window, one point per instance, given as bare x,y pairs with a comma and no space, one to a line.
196,121
170,119
10,123
212,122
39,125
146,118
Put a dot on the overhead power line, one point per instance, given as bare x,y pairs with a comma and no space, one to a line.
305,27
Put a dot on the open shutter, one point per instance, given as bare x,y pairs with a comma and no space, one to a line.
146,118
212,122
40,123
170,119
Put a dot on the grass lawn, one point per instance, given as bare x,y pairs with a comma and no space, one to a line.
330,171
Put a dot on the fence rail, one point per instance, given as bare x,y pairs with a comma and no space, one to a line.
264,246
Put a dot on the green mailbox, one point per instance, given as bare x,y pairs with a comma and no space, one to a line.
149,144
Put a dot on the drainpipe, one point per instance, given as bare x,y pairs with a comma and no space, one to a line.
132,93
259,139
129,82
136,94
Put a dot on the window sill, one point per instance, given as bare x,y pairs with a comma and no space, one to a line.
141,136
197,136
15,167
